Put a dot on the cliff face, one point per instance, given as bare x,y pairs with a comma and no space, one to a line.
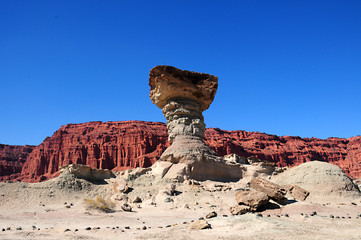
12,159
129,144
287,150
109,145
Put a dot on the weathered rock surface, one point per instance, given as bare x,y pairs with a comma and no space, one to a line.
274,191
167,82
85,172
324,181
129,144
183,96
199,225
297,192
109,145
12,159
240,209
251,198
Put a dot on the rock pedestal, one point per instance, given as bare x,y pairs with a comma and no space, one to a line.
183,96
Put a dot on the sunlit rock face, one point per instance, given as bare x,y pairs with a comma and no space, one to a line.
183,96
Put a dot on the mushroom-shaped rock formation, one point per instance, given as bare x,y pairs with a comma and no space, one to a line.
183,96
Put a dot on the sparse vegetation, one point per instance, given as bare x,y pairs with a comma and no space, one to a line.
100,204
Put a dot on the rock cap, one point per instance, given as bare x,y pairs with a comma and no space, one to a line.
167,82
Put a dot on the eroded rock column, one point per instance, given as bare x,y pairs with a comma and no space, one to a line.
183,96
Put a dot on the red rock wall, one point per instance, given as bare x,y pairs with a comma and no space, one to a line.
12,159
287,150
109,145
129,144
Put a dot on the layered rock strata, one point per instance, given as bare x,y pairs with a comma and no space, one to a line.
129,144
12,159
183,96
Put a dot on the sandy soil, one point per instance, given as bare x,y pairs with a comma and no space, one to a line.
55,210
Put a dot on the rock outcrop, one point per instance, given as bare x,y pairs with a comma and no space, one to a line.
129,144
110,145
183,96
325,182
12,159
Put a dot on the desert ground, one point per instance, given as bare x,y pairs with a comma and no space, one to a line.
56,209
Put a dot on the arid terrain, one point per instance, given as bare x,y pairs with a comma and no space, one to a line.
56,209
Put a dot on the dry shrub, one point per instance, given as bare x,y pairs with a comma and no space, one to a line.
100,204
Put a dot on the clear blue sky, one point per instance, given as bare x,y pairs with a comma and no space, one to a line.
284,67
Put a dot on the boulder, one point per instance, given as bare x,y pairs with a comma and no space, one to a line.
199,225
273,190
126,208
240,209
120,185
297,192
211,215
160,168
251,198
176,171
88,173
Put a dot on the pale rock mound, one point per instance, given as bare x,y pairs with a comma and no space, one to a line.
325,182
86,172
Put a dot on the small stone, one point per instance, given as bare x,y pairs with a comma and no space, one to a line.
3,230
199,225
19,228
184,222
33,227
76,230
127,227
286,215
122,231
125,207
88,228
168,226
259,215
354,203
225,215
65,203
144,228
240,209
71,204
331,216
67,230
137,200
67,206
8,228
337,217
211,215
268,215
313,214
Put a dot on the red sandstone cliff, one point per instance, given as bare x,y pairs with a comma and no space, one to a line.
12,159
109,145
129,144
